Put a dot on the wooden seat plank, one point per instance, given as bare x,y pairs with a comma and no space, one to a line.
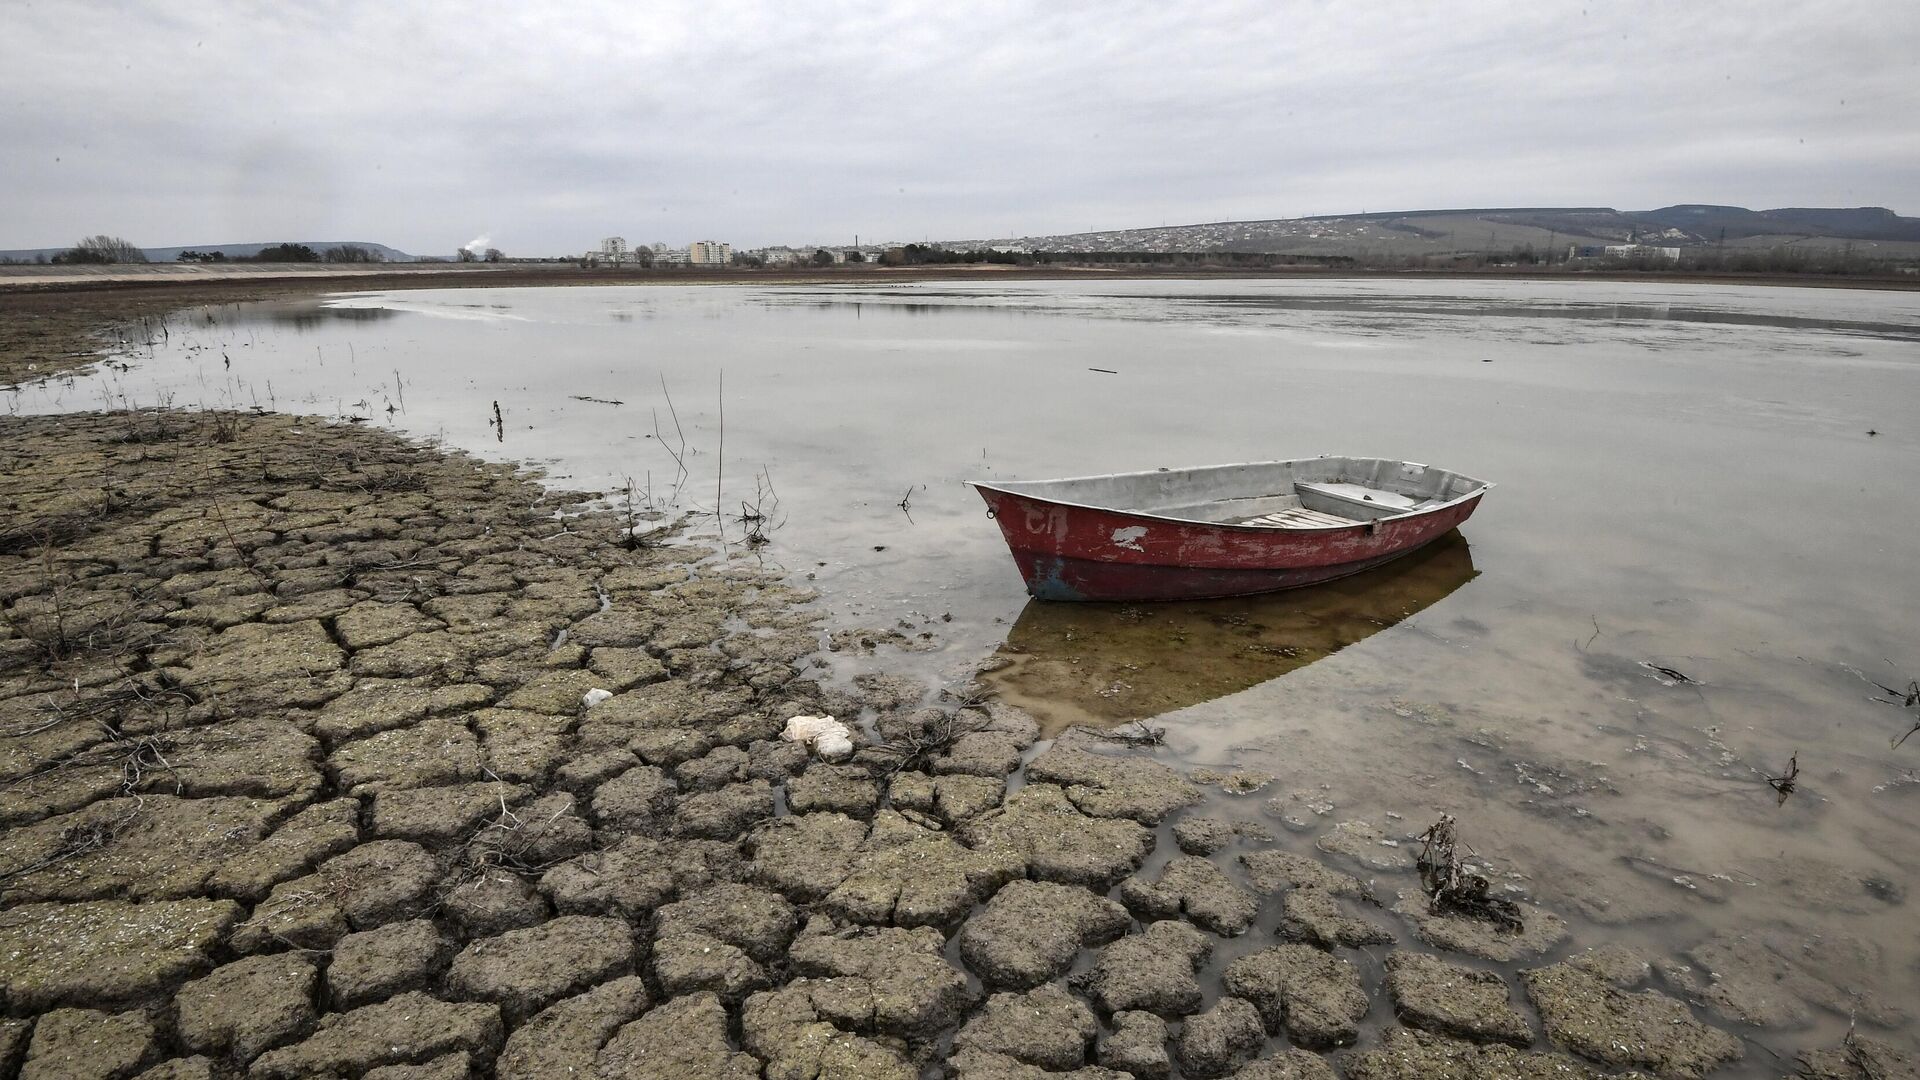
1295,517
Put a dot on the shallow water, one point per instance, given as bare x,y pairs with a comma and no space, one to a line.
1685,479
1108,664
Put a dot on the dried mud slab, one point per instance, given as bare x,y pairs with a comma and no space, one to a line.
373,884
1300,1065
523,971
1138,1045
565,1038
106,951
1271,872
1213,1042
1103,785
1315,996
1030,932
71,1044
374,965
1448,999
1045,1026
156,847
1203,835
1042,827
1316,916
1194,887
1154,971
1418,1055
887,980
807,856
907,875
248,1007
951,799
758,922
794,1030
685,1037
1589,1016
408,1030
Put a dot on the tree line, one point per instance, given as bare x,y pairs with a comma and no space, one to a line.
289,253
104,250
101,249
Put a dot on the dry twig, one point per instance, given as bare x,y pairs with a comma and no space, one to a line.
757,518
1906,699
1138,733
915,749
1451,889
1788,782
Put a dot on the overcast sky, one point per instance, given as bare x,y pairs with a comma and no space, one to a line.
544,127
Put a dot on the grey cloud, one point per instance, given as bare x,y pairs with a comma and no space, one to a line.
423,124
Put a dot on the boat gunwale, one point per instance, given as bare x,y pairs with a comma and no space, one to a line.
1482,489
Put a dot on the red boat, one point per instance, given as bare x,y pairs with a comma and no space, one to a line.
1224,530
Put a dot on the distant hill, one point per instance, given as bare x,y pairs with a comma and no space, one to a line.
231,251
1868,232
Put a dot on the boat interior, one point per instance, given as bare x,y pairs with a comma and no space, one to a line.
1324,492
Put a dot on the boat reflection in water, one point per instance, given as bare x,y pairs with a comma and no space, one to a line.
1108,664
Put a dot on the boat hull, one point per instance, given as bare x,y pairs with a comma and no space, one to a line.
1079,553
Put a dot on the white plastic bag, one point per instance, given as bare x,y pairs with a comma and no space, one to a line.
827,737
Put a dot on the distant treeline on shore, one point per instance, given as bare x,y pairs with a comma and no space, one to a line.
104,250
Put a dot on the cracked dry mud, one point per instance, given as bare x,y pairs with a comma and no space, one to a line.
298,781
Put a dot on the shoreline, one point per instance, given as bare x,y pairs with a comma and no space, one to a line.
25,279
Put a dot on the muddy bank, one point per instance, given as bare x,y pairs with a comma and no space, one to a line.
300,778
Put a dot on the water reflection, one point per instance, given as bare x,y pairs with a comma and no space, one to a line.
858,307
309,316
1479,308
1107,664
1417,309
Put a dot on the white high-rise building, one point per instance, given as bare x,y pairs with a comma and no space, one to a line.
709,253
614,249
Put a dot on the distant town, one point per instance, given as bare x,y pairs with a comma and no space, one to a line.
614,251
